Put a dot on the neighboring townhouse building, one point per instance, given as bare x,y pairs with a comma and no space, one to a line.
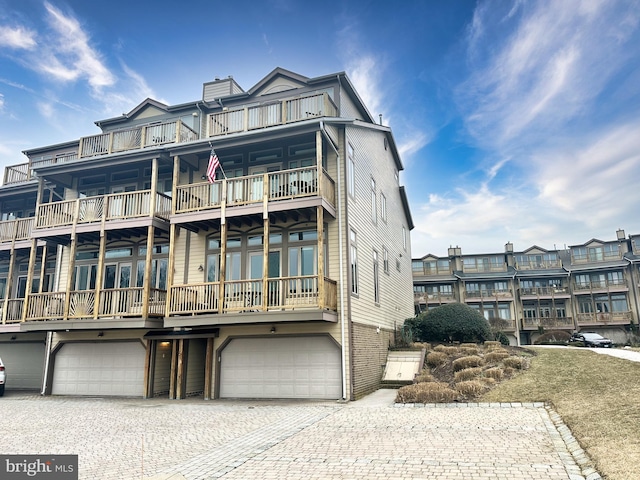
593,286
286,277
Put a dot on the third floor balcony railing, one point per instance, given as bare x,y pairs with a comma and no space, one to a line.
282,185
136,138
115,206
489,293
615,283
544,291
243,119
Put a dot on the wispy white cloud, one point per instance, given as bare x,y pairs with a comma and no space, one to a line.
17,37
73,57
550,97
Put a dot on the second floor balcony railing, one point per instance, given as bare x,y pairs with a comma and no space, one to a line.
115,206
433,297
248,296
243,119
619,318
17,229
136,138
533,323
281,185
11,310
489,293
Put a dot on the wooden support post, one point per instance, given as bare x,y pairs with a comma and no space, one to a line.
320,227
100,272
174,367
32,263
180,373
9,288
149,367
223,266
208,369
72,261
154,188
319,167
146,285
265,266
43,268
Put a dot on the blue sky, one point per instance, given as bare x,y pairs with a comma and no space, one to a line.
516,120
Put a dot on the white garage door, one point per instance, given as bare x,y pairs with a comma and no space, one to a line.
103,369
288,367
24,363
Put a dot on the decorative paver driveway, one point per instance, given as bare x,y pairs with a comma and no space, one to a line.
368,439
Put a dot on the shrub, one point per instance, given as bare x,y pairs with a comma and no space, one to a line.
432,392
467,374
488,381
469,350
496,356
517,363
554,337
467,362
471,388
495,373
449,350
492,344
508,371
502,338
453,322
423,377
435,359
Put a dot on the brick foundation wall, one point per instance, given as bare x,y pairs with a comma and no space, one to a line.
369,358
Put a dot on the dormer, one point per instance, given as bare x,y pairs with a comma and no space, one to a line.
595,251
536,258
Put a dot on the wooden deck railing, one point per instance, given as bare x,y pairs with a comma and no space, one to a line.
599,284
621,318
543,291
502,324
46,306
18,229
424,297
247,295
115,206
547,322
489,293
17,174
136,138
14,308
281,185
243,119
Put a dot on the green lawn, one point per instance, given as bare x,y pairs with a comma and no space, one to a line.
598,397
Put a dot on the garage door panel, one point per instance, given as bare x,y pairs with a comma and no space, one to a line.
292,367
101,369
24,362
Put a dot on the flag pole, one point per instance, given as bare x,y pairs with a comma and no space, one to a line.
220,164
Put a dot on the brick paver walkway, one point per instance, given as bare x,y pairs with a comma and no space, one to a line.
194,439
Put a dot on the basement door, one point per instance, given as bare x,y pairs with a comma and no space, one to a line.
101,369
286,367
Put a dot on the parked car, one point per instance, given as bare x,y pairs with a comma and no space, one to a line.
591,340
3,377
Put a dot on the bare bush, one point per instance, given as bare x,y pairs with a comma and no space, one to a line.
495,356
435,359
432,392
471,388
517,363
467,362
490,345
423,377
448,349
469,350
467,374
496,373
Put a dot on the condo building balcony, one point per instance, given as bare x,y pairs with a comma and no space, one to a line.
534,323
256,189
434,298
490,293
527,293
16,230
89,213
604,318
600,286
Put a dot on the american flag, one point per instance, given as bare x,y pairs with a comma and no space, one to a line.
214,163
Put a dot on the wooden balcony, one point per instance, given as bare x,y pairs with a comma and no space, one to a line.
248,296
136,138
490,293
105,208
555,323
543,292
612,318
542,265
502,324
16,230
253,189
433,298
603,286
11,310
24,172
113,303
247,118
